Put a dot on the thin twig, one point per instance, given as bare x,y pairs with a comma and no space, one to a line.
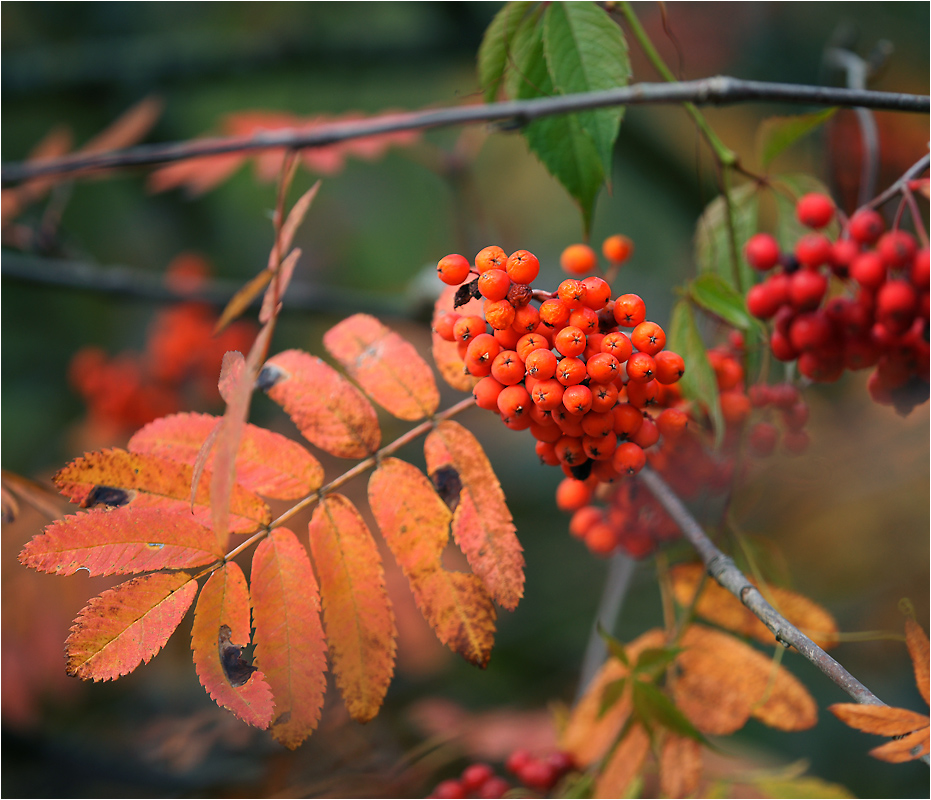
720,90
910,174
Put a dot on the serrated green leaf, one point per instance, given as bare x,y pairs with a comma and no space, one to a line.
582,785
777,134
654,659
699,383
585,51
494,52
652,706
566,150
712,236
614,646
787,190
714,294
610,695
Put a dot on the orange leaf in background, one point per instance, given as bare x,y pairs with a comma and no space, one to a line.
55,143
912,727
117,478
34,494
680,766
723,682
328,410
358,616
719,606
120,540
267,463
415,523
291,224
196,175
624,764
127,129
127,625
289,638
589,733
482,524
221,629
446,354
388,368
241,299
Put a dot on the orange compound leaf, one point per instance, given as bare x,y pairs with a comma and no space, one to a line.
723,682
267,463
446,354
116,478
196,175
917,641
908,748
415,523
881,720
127,625
221,629
388,368
592,728
719,606
289,638
121,540
624,764
128,129
482,524
328,410
680,766
357,612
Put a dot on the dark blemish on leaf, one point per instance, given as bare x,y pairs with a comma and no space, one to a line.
236,669
270,376
448,485
107,496
282,719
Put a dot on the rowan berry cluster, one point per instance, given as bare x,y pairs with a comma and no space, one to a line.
538,773
857,302
563,369
178,368
756,419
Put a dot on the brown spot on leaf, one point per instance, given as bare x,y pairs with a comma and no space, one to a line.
108,496
269,377
235,667
448,485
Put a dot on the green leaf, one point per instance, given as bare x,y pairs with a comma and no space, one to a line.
610,695
652,706
699,383
803,787
614,646
787,190
494,52
777,134
714,294
712,236
579,786
585,51
560,142
654,659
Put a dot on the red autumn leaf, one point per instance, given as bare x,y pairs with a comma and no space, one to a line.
909,748
624,764
482,524
196,175
54,144
267,463
446,354
917,641
120,540
415,523
117,478
292,223
40,497
328,410
241,299
881,720
357,612
289,638
128,129
221,629
388,368
127,625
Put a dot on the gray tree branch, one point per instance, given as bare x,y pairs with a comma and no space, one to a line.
720,90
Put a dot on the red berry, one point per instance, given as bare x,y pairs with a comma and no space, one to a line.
896,248
810,331
494,284
813,250
453,269
648,337
617,248
762,439
762,251
538,775
492,257
866,226
577,259
921,268
896,303
495,787
475,775
523,267
629,310
806,289
448,789
869,270
814,210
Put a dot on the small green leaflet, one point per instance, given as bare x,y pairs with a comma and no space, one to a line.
652,706
712,236
777,134
611,694
495,50
715,295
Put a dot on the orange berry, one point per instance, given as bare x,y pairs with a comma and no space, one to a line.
601,539
547,394
629,310
600,448
453,269
641,367
526,319
584,318
571,371
467,328
486,393
523,267
492,257
627,420
617,248
572,293
670,366
642,393
648,337
583,519
493,284
603,368
577,259
507,368
577,399
629,458
604,397
618,345
597,292
570,341
541,364
530,342
672,422
443,325
647,435
507,338
500,314
572,494
514,402
569,451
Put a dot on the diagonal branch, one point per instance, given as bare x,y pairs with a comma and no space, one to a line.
720,90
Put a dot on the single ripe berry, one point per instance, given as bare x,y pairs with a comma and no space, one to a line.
813,249
806,289
492,257
814,210
522,267
554,313
570,341
547,394
493,284
641,367
475,775
618,345
629,458
507,368
670,367
672,422
629,310
866,226
896,248
869,270
500,314
577,259
577,399
617,249
573,293
448,789
514,402
443,325
541,364
467,328
453,269
597,292
648,337
486,393
603,368
584,318
762,251
572,494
